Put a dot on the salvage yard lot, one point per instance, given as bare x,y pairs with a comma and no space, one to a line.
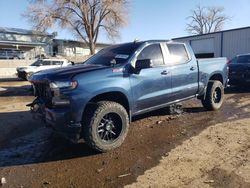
194,148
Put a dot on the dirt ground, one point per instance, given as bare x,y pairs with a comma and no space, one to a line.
217,157
193,149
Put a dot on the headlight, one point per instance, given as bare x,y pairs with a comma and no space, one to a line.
63,84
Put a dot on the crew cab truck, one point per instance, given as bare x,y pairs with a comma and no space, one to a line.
97,99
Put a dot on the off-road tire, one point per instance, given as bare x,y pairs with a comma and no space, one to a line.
214,88
92,118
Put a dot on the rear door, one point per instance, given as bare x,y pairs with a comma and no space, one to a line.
151,87
184,71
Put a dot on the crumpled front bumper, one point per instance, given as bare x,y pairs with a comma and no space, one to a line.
59,119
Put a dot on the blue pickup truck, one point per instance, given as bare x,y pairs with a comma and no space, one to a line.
96,100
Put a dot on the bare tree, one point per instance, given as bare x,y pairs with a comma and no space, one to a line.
85,18
206,20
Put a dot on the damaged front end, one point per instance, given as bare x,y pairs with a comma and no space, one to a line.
53,108
43,99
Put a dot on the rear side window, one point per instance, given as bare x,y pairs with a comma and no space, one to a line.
46,63
244,59
178,54
152,52
56,62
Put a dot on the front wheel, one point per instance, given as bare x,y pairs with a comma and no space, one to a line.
105,125
214,96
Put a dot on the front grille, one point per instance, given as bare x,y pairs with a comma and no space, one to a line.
43,91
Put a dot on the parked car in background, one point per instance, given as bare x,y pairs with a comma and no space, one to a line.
11,54
239,70
39,65
97,100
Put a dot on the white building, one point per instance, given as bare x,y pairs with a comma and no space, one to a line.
31,43
34,43
227,43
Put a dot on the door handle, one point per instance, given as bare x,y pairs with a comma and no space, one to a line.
165,72
192,68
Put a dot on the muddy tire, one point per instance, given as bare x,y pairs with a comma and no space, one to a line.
214,96
105,125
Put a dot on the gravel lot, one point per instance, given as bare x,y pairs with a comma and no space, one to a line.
193,149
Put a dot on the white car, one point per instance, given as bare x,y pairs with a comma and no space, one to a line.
41,64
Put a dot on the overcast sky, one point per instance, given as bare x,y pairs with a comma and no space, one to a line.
148,19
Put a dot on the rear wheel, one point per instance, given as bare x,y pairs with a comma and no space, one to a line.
105,125
214,96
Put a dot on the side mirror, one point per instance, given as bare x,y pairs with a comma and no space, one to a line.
143,64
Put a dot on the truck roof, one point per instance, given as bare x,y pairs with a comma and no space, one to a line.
247,54
51,59
150,41
138,42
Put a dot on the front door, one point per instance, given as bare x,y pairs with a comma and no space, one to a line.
151,87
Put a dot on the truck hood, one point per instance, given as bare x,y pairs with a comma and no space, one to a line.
26,68
64,72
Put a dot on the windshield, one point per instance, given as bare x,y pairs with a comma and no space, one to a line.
244,59
117,54
37,63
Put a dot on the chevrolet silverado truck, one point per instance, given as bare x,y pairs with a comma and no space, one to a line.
96,100
39,65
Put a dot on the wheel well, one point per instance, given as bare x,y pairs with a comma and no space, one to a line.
111,96
217,77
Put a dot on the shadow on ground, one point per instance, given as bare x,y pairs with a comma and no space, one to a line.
10,79
43,145
25,90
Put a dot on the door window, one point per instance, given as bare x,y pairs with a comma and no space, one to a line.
152,52
56,62
178,54
244,59
46,63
